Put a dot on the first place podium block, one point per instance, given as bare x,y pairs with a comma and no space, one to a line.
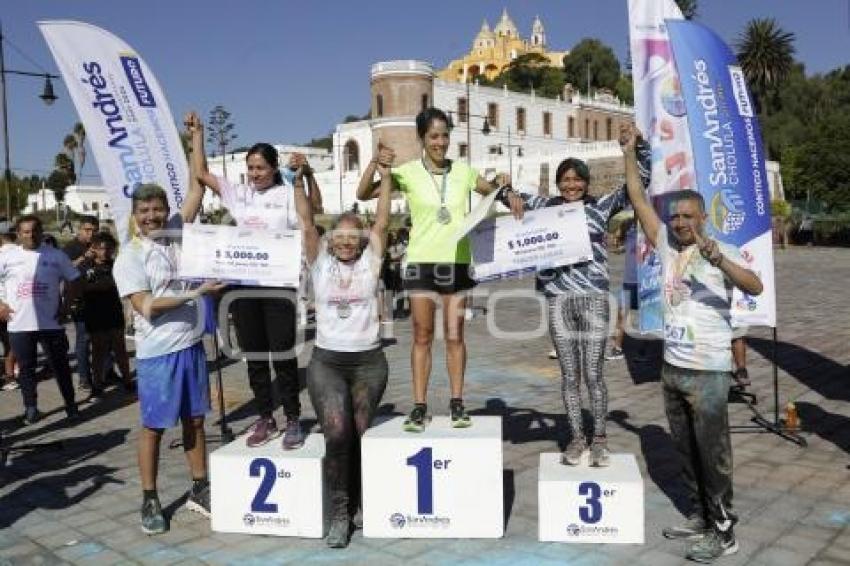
440,483
267,490
585,504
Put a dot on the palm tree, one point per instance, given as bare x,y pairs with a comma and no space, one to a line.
766,54
80,134
688,8
70,145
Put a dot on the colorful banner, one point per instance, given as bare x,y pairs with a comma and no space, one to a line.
128,123
727,149
661,117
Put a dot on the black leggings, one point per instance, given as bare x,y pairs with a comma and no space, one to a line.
266,325
345,389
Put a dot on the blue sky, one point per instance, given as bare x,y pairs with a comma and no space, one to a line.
288,71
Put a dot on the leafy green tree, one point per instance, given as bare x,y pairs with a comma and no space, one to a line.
625,89
593,57
527,72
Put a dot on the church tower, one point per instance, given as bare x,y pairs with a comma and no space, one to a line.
506,26
538,33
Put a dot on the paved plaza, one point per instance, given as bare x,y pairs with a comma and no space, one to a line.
79,502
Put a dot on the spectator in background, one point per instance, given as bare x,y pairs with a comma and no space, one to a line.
31,275
103,313
79,250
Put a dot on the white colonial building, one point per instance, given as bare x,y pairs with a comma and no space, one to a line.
497,130
82,199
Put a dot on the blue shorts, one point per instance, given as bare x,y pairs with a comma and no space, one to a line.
173,386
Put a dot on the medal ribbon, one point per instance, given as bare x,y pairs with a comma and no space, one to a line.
440,191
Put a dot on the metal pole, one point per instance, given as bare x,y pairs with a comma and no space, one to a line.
510,156
339,166
7,172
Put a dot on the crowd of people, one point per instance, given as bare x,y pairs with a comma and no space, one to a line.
422,270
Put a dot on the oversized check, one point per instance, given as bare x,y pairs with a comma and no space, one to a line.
241,255
544,238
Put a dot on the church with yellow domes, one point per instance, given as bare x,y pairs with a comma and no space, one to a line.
493,50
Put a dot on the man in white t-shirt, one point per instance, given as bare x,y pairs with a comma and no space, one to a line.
171,369
698,275
31,278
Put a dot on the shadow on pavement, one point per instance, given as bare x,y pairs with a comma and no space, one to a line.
662,460
829,426
526,425
823,375
50,490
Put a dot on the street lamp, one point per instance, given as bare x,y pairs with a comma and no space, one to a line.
485,129
510,147
47,95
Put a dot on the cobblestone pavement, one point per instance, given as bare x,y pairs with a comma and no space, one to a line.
79,504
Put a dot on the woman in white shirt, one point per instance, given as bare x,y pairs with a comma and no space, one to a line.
264,324
348,371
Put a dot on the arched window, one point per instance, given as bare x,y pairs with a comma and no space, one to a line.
351,156
424,101
379,106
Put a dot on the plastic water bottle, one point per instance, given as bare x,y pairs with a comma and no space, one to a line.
792,420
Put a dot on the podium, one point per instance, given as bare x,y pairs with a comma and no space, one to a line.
268,490
440,483
585,504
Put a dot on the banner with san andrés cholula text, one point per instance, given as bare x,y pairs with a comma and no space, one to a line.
128,123
727,148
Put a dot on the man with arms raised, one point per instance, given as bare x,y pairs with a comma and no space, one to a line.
698,275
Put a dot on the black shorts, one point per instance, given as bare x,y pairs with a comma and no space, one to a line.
442,278
629,297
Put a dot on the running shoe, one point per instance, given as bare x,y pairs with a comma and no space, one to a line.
693,528
293,436
418,419
264,430
600,456
615,354
460,419
153,521
572,455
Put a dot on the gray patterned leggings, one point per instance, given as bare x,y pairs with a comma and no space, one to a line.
578,325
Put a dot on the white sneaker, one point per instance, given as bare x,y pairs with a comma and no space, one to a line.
553,355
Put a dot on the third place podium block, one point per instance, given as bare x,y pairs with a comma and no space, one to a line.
584,504
440,483
267,490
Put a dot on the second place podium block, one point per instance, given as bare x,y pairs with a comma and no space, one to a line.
441,483
267,490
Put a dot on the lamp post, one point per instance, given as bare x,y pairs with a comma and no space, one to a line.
485,129
47,96
510,147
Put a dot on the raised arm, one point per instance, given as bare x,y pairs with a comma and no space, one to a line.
297,160
378,236
304,210
195,196
367,189
198,164
644,210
